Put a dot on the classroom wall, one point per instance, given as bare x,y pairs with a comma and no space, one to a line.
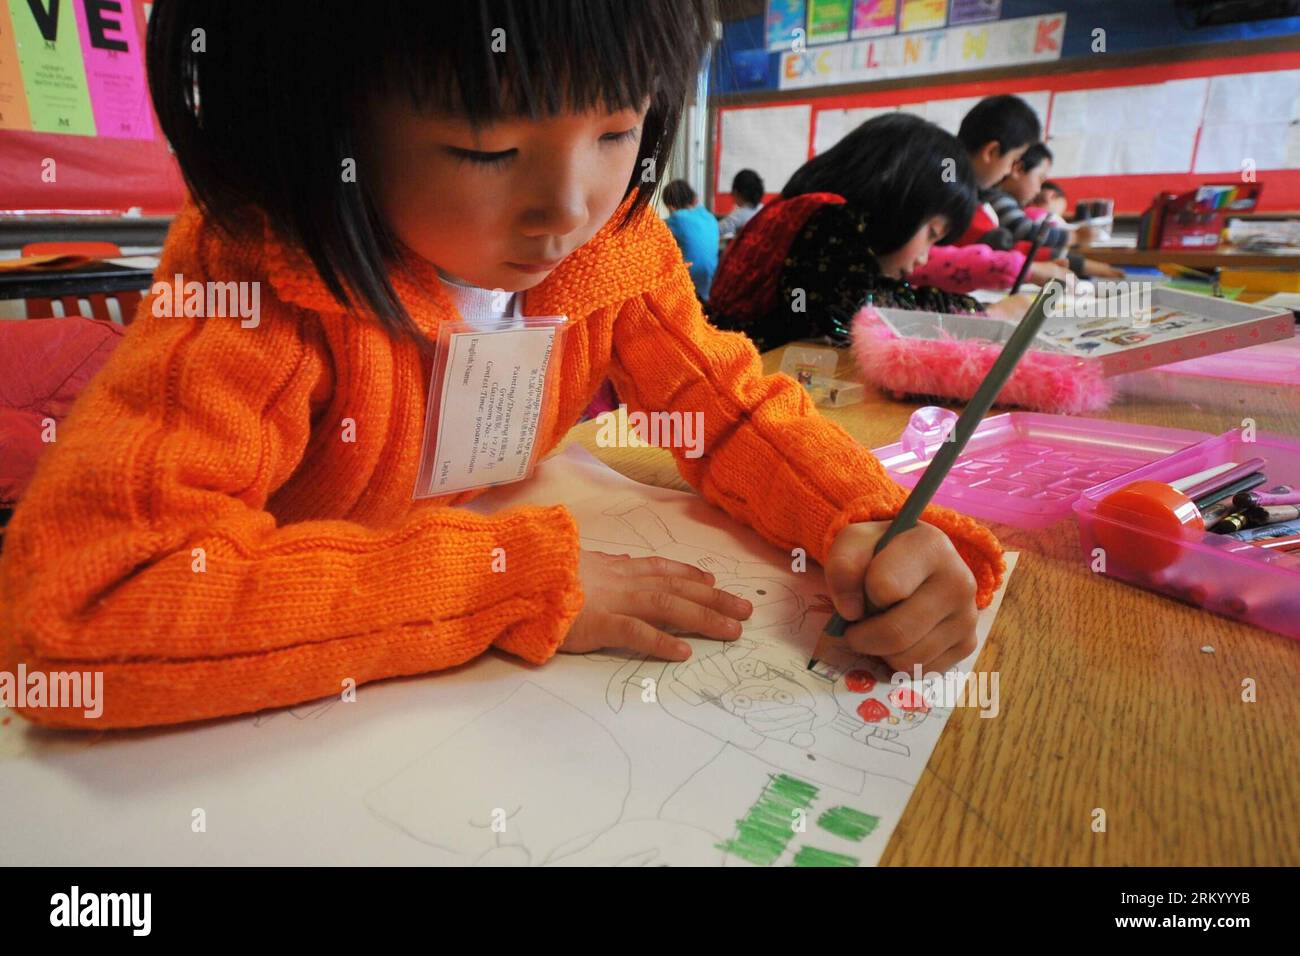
742,64
1120,130
1124,133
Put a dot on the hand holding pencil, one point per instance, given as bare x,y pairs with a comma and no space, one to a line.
928,621
922,582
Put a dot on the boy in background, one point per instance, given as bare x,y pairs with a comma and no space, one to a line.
747,192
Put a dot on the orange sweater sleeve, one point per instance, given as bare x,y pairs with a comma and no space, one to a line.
143,547
769,459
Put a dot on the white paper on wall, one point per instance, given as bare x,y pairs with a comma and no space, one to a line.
949,113
1122,130
1246,98
1225,149
834,124
771,140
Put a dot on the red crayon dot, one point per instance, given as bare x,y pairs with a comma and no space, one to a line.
860,682
872,710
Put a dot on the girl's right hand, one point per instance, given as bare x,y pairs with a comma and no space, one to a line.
626,600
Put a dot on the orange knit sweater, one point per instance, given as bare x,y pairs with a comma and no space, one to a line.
319,566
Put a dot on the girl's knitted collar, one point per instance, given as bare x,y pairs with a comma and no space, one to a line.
615,265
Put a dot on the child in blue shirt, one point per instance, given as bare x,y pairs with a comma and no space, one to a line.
696,231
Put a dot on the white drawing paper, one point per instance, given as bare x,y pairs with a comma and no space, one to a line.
604,758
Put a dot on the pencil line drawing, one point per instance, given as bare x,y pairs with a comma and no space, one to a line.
312,710
533,790
756,693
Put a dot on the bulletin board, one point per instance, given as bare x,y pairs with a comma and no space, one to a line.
77,129
1124,133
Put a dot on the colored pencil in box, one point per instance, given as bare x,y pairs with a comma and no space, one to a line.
1210,485
1242,484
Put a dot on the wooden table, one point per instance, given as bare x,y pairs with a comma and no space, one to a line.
1224,257
1107,699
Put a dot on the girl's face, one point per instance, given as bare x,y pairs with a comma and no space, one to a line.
916,251
498,207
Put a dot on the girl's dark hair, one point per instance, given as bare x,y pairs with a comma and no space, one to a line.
1038,153
678,194
748,185
263,103
902,170
1052,186
1005,119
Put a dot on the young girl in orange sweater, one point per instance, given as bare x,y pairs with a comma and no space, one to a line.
227,522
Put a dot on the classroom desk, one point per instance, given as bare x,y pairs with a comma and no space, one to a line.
1107,699
1225,257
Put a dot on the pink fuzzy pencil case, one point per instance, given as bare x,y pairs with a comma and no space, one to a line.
949,356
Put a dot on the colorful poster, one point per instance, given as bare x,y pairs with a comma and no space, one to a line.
114,68
828,20
784,17
973,11
13,101
976,47
873,18
54,79
923,15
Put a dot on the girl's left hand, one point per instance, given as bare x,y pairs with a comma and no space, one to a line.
925,589
1010,307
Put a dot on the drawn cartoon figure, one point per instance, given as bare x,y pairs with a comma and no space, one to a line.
1094,333
643,528
1129,338
757,694
1096,323
875,711
745,693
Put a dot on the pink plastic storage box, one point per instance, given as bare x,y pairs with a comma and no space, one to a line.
1026,469
1030,470
1221,574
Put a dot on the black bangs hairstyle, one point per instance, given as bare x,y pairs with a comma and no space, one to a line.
678,194
1038,153
748,185
1004,119
262,102
900,169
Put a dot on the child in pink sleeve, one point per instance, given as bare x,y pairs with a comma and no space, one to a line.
967,268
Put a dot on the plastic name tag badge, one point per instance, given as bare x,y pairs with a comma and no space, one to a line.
490,395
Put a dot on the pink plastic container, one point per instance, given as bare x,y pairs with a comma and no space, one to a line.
1027,469
1031,470
1220,574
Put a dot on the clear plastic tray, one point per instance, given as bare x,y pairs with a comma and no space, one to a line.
1027,469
